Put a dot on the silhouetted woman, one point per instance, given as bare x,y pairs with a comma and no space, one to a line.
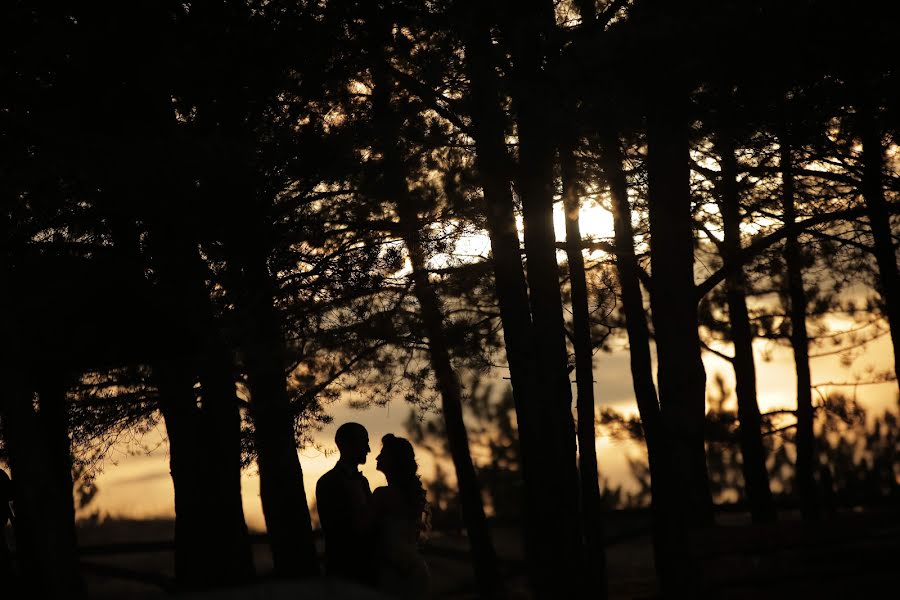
400,514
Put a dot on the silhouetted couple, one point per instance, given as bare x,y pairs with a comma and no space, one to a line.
371,538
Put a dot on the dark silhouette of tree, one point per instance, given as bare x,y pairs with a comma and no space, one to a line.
752,454
390,187
529,33
581,338
489,123
799,336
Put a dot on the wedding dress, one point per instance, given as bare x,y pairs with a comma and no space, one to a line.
402,571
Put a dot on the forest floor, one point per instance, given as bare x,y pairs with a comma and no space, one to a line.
849,555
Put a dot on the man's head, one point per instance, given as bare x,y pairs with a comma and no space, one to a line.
352,441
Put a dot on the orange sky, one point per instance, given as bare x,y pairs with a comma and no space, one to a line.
139,485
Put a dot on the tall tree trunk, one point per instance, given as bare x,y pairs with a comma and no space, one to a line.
753,464
217,416
669,535
200,511
880,223
584,373
38,445
632,298
394,189
196,558
484,557
529,32
492,162
685,498
681,375
221,416
282,490
806,459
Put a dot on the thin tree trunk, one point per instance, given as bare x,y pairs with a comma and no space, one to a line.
492,162
805,466
584,374
753,464
880,223
395,189
484,557
632,298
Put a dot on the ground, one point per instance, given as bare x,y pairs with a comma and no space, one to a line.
848,555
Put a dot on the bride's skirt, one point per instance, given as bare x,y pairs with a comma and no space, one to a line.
412,583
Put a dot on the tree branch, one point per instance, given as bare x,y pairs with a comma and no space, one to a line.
431,98
767,241
711,350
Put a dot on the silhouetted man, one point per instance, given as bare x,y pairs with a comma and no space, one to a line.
344,500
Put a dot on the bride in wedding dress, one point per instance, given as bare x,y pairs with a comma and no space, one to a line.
400,510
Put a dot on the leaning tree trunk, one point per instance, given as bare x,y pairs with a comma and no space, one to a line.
880,224
805,466
282,490
627,269
38,446
484,557
394,189
492,163
753,463
584,374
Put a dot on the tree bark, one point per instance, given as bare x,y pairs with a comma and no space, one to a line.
673,565
484,557
38,445
584,374
632,298
216,416
685,501
753,464
492,163
880,224
681,375
196,560
529,33
282,490
805,466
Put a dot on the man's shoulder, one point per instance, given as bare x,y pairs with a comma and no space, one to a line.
330,477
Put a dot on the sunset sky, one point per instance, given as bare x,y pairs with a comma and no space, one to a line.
136,484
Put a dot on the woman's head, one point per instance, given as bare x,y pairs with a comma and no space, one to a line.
397,460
